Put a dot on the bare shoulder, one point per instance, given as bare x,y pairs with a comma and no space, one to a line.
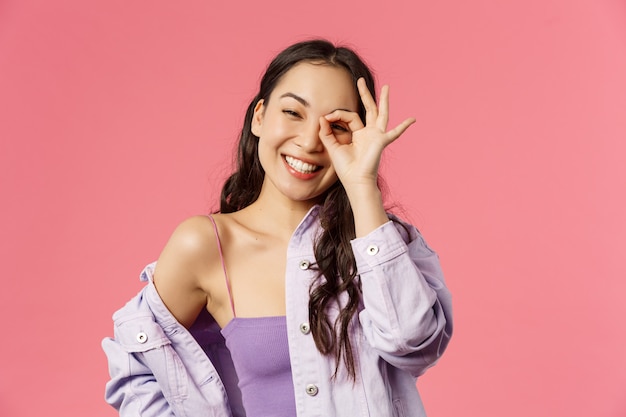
192,240
187,259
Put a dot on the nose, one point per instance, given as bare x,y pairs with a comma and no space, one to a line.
309,138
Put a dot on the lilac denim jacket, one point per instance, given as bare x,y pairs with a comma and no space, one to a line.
159,368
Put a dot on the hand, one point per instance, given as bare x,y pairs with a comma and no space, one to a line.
356,162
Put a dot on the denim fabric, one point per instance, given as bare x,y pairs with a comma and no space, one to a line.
159,368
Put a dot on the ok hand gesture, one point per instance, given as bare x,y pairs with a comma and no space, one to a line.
356,162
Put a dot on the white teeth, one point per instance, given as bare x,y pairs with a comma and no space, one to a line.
299,165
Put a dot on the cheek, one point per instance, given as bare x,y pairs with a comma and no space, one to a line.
266,152
331,176
277,129
282,127
331,180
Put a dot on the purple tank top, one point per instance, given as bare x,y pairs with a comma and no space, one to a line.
260,352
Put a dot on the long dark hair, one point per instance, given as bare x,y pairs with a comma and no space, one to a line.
333,253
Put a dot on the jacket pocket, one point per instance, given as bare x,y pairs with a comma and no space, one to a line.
140,333
143,338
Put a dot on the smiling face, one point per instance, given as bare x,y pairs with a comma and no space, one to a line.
296,164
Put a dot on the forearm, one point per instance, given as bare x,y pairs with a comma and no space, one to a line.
367,205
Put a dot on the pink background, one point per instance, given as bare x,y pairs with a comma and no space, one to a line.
117,120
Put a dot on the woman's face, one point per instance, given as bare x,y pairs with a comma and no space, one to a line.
295,161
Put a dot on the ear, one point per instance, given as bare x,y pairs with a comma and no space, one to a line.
257,118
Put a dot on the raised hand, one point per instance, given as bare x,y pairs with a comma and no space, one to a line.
356,162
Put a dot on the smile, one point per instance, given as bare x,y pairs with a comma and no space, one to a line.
301,166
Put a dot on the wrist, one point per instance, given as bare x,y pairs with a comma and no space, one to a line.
367,207
363,191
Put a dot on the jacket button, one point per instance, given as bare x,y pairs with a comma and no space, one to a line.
372,250
304,264
142,337
305,328
311,390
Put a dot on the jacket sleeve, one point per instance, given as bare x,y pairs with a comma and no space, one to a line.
139,357
407,315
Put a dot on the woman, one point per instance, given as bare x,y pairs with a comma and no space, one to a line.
302,296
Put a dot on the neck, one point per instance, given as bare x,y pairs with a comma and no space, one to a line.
277,212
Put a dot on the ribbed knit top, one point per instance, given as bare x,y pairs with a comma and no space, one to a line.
260,354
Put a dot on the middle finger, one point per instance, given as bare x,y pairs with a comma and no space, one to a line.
371,112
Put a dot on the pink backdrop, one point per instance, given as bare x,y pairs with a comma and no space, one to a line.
117,120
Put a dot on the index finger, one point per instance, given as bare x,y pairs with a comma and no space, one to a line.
352,119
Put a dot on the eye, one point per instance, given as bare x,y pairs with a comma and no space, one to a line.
340,128
292,113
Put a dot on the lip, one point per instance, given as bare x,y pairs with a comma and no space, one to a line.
298,174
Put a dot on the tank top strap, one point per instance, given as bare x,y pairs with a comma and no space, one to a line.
219,248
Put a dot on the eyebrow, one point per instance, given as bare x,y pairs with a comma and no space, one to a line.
297,98
304,102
